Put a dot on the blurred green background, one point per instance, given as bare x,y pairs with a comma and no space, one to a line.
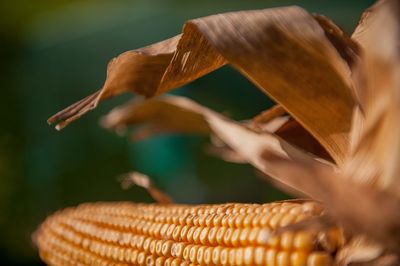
54,53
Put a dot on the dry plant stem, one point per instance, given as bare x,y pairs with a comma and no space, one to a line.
74,111
142,180
151,234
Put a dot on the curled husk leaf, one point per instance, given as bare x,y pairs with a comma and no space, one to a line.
293,57
176,114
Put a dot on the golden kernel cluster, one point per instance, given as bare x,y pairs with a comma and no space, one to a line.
151,234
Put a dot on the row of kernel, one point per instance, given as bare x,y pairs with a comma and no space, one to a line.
157,230
205,255
86,249
145,244
111,253
73,255
205,236
149,210
253,256
272,220
210,255
129,209
115,254
197,235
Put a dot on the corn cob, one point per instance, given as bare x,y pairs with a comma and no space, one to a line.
152,234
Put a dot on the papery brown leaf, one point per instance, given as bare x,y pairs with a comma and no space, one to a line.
359,208
272,125
291,131
270,56
247,143
219,149
284,51
251,145
151,70
142,180
266,116
379,22
277,184
348,48
297,135
175,114
376,131
383,260
172,114
139,70
359,249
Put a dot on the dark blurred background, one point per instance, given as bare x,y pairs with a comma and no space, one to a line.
53,53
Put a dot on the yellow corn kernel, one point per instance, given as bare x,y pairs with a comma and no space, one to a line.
319,259
283,258
298,258
259,256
